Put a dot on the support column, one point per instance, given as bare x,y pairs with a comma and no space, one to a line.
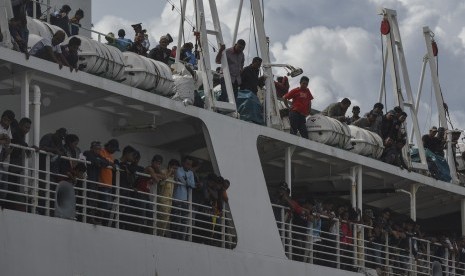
413,200
36,119
359,188
288,166
35,142
25,80
353,187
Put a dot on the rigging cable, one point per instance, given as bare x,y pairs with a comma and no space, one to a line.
189,22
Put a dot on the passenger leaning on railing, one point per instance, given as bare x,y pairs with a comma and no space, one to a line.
127,182
17,161
18,26
106,177
7,118
165,195
97,162
185,176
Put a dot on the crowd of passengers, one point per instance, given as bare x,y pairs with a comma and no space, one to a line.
171,184
389,126
53,50
318,220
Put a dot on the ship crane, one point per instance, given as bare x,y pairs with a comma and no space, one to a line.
395,57
430,58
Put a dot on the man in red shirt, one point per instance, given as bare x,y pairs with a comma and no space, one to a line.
301,106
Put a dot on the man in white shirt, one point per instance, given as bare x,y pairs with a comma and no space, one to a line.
50,49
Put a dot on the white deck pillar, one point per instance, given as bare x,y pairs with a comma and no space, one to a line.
288,166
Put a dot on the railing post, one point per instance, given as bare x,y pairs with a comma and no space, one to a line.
428,257
189,199
386,251
362,245
84,200
223,226
338,244
446,259
283,228
35,189
155,208
117,197
289,235
413,267
47,185
311,245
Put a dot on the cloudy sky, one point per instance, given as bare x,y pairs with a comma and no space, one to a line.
336,42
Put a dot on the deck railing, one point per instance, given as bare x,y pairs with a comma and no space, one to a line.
31,188
415,257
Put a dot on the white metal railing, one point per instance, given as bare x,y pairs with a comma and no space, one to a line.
26,187
414,257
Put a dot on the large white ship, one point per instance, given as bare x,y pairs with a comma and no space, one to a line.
125,97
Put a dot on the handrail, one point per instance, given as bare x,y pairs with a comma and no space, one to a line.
121,207
416,258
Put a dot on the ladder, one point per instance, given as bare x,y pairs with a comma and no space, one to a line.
398,66
205,63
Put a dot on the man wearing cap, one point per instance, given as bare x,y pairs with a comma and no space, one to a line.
7,118
301,106
61,19
161,51
138,29
236,59
123,43
337,110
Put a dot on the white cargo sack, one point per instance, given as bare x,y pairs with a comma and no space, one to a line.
328,131
365,142
184,87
